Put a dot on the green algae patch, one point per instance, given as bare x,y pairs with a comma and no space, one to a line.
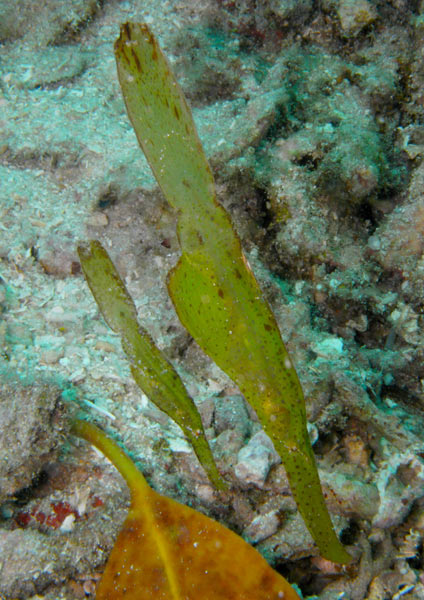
214,291
151,370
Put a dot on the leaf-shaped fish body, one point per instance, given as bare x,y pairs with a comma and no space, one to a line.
216,296
151,370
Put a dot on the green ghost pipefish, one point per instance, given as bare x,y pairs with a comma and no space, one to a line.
214,291
151,370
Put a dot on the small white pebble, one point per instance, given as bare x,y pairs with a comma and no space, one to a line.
51,357
98,219
68,524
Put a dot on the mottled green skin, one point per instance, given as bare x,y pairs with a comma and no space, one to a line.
149,367
215,293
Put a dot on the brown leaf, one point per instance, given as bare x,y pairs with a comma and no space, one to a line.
169,551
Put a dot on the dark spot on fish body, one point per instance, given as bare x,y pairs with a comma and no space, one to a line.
149,35
177,112
137,61
126,58
127,30
186,184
